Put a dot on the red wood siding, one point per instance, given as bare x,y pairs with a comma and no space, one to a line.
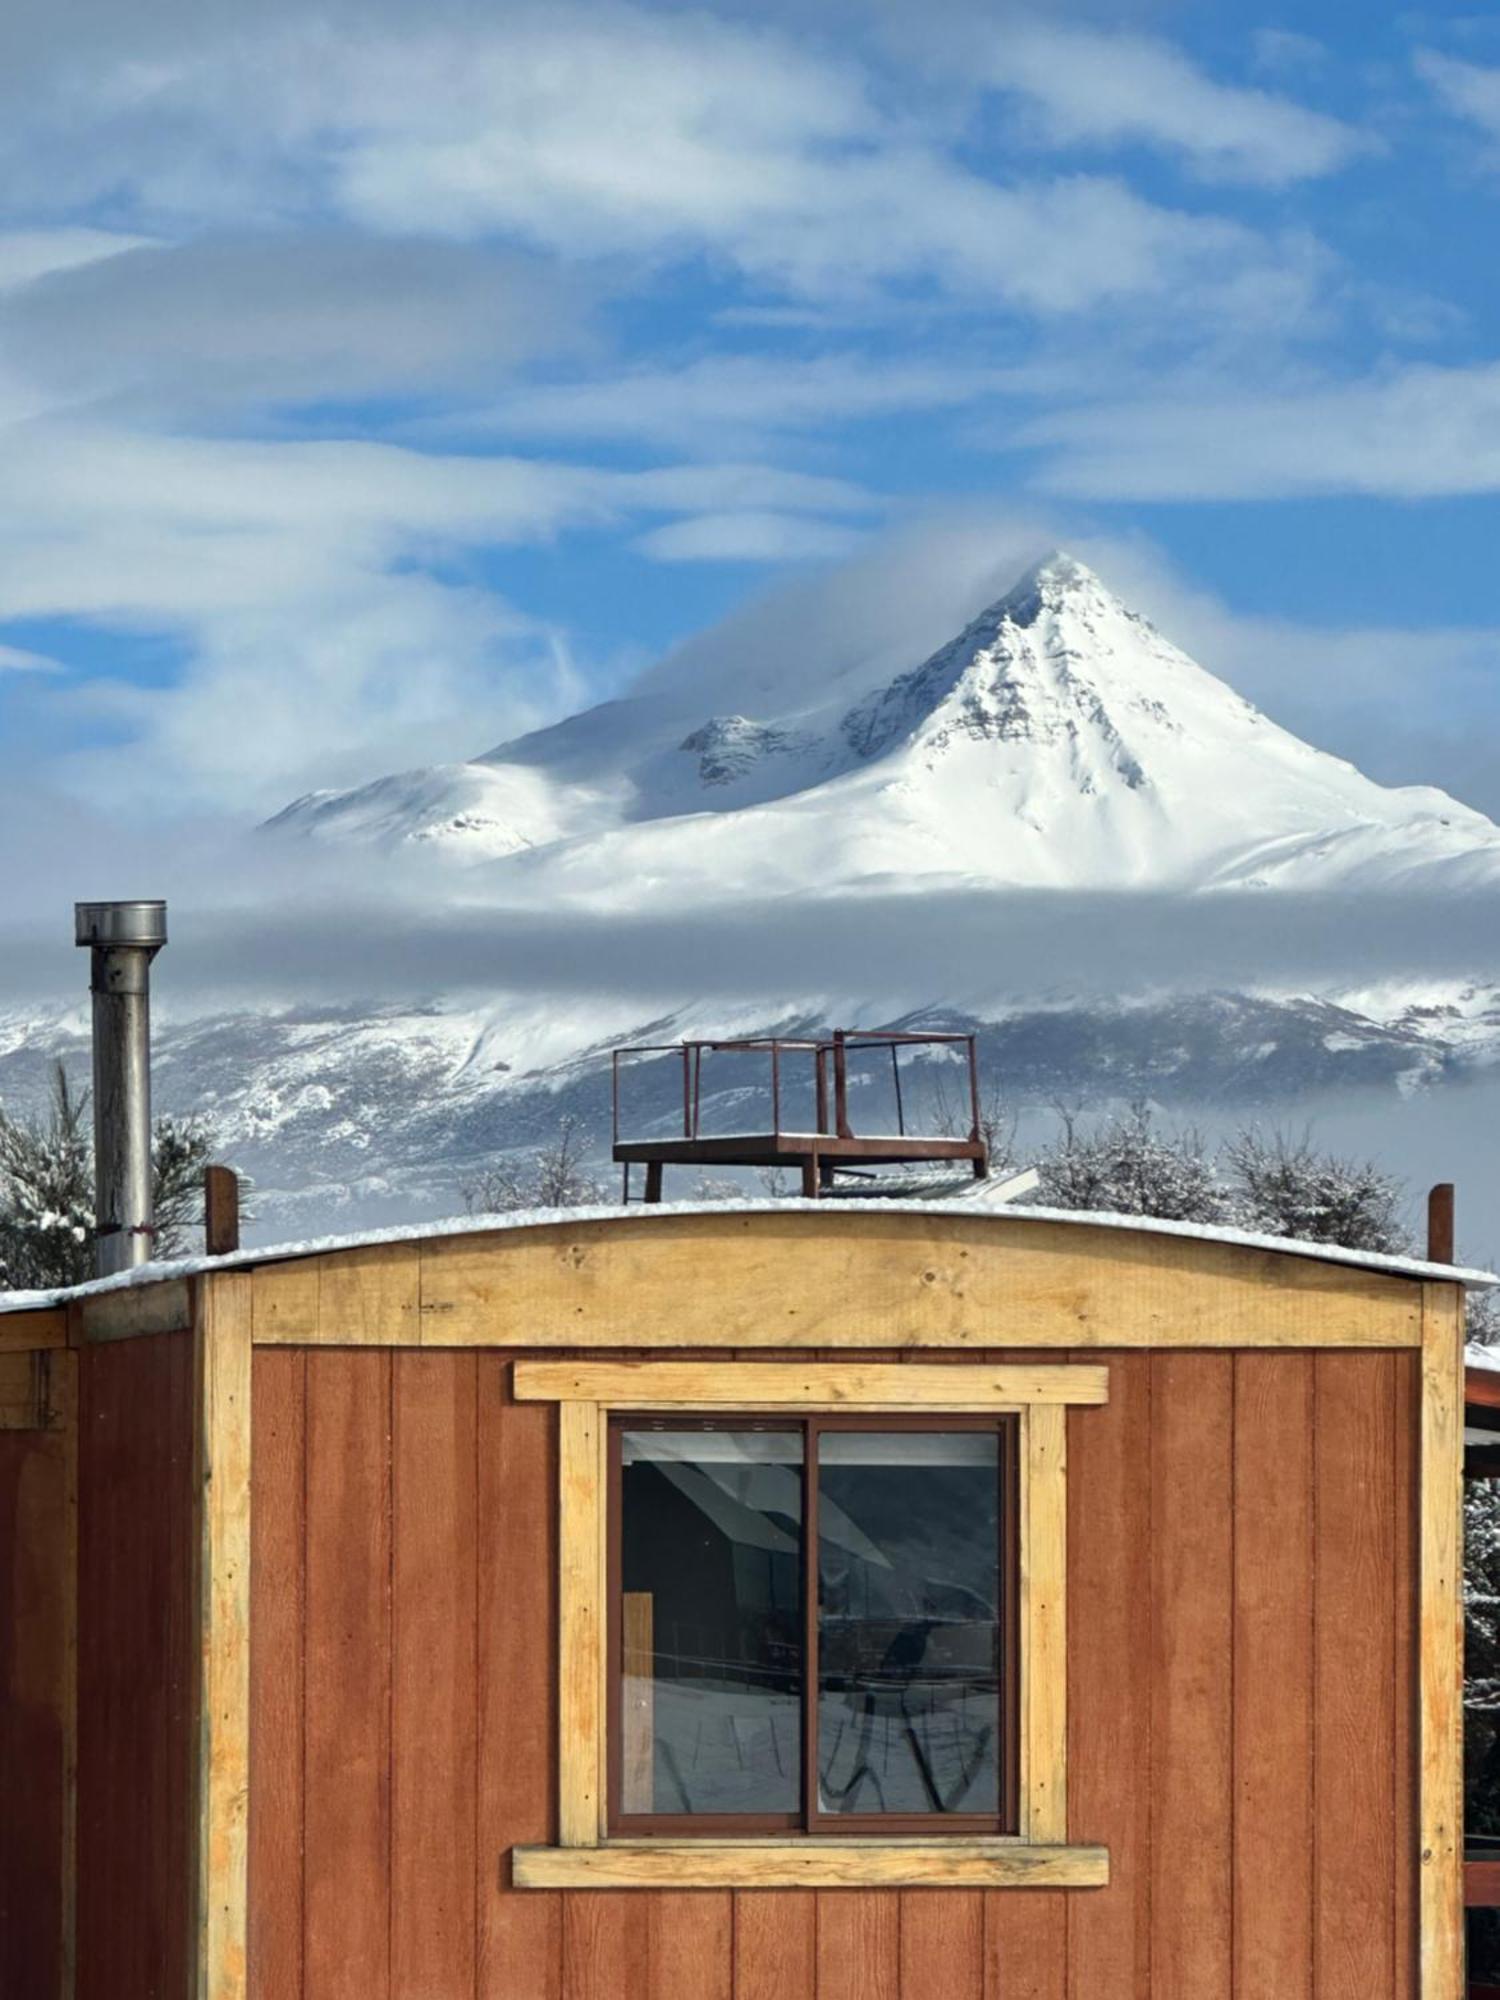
33,1636
1241,1679
136,1658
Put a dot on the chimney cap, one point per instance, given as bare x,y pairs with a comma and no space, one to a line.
140,923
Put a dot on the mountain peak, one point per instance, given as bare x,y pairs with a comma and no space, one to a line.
1048,584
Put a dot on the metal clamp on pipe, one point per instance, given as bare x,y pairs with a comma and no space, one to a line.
123,938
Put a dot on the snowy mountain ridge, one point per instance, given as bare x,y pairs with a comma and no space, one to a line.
1058,741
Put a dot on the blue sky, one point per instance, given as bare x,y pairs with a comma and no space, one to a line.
377,382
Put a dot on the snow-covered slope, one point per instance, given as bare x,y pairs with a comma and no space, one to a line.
1059,741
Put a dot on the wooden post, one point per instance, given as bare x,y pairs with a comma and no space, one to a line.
1440,1867
1440,1224
653,1180
221,1211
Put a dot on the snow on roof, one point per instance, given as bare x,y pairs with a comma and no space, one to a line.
537,1218
1476,1356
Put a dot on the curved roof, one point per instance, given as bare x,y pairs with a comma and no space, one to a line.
479,1225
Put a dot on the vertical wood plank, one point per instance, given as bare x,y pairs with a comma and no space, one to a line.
34,1591
222,1374
580,1616
278,1601
1355,1700
859,1945
433,1674
942,1945
1026,1945
690,1946
520,1932
1044,1630
1441,1644
137,1666
1406,1675
606,1946
775,1944
1273,1676
1192,1399
348,1808
1109,1688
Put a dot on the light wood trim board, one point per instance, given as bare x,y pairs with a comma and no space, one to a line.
1044,1624
779,1279
222,1368
812,1862
764,1385
581,1601
1441,1926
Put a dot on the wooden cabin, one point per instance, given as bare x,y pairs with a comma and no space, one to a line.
781,1603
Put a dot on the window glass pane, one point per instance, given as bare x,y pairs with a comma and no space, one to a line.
908,1622
711,1565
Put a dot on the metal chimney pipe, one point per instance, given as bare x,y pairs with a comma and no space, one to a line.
123,938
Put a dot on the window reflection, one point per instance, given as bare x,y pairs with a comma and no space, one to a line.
711,1622
908,1622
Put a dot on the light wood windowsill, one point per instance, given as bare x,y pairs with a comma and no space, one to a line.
811,1862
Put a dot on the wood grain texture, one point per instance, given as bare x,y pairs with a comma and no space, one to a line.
859,1947
1274,1655
137,1668
434,1675
862,1281
346,1895
137,1310
942,1945
1406,1674
278,1572
775,1944
1026,1946
1441,1645
520,1935
690,1946
580,1624
820,1863
35,1614
1044,1625
764,1385
1354,1694
46,1326
222,1505
1192,1399
1109,1683
26,1399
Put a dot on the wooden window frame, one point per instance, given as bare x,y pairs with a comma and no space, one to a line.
808,1818
587,1853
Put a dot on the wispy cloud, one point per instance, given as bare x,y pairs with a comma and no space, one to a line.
1097,88
1410,432
1471,91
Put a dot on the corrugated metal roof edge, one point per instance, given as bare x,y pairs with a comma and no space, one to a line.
476,1225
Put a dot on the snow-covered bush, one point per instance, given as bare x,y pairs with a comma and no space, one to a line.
1285,1187
47,1188
1126,1166
557,1175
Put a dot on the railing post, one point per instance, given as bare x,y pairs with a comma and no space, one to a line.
840,1086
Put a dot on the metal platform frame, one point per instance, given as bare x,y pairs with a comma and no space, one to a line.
816,1154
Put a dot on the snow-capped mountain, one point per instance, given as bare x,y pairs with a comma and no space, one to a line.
1058,741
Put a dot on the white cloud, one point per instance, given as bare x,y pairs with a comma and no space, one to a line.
17,660
747,537
310,588
235,321
1415,432
1092,87
29,254
1469,90
736,397
608,132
